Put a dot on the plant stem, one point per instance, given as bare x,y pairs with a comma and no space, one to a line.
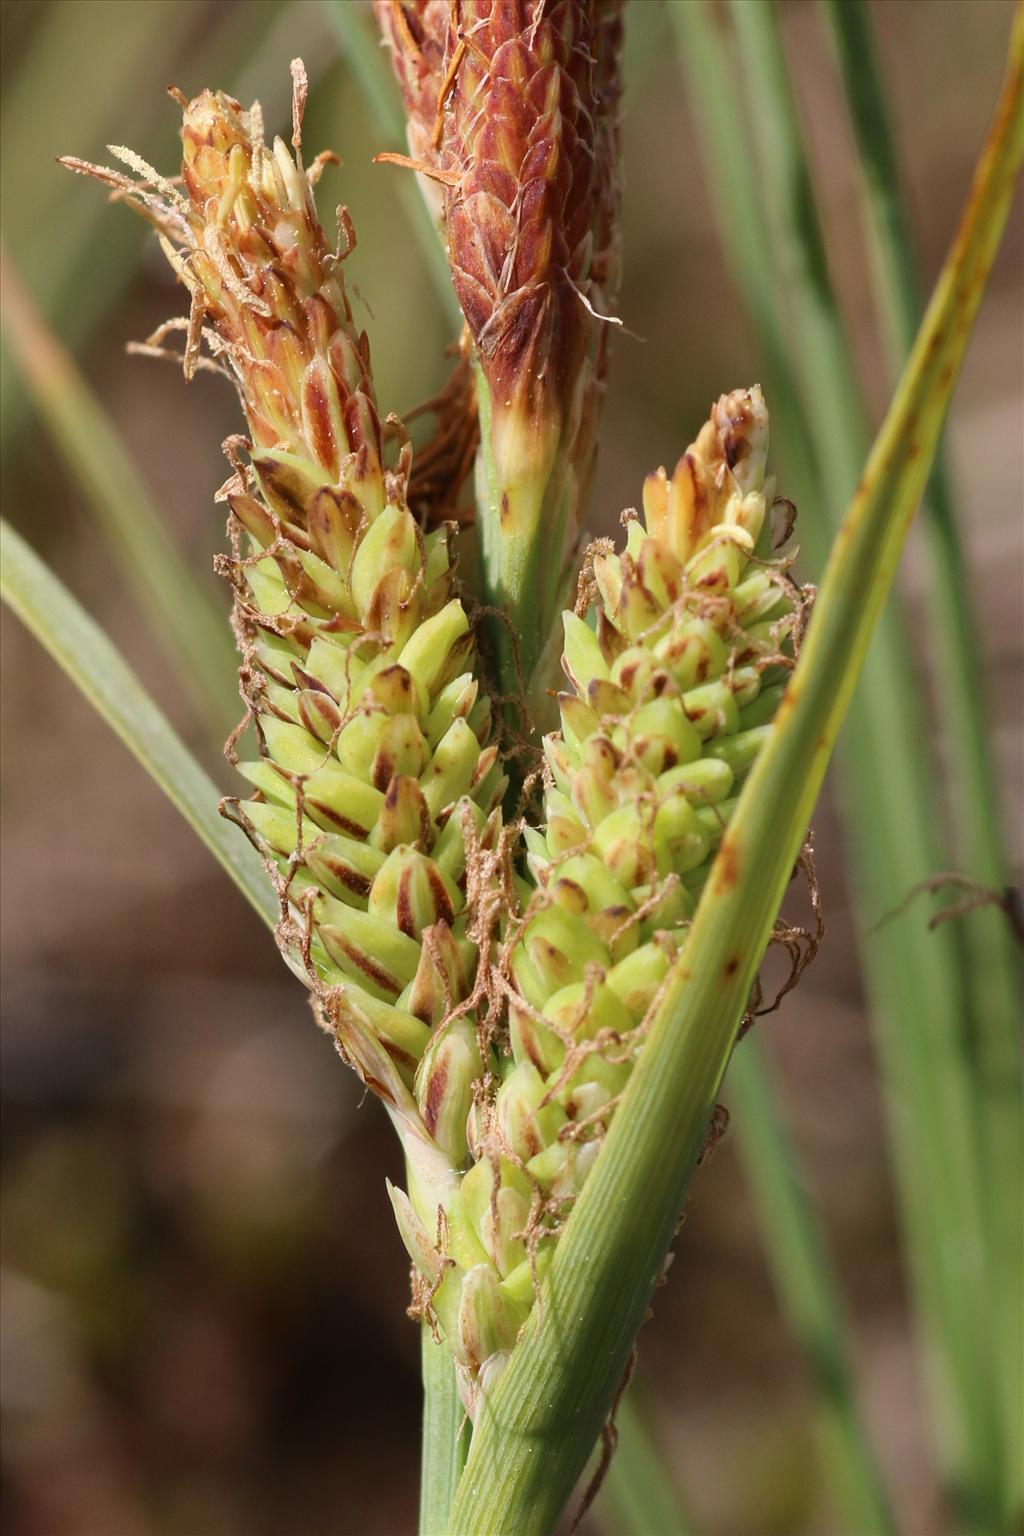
806,1285
445,1439
536,1427
522,567
994,958
917,986
187,623
99,671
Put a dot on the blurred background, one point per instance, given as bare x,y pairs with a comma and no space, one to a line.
203,1322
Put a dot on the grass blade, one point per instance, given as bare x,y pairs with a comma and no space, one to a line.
736,197
82,650
192,630
994,957
537,1426
795,1246
917,987
445,1439
806,1285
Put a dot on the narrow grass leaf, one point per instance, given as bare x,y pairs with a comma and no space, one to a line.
916,979
737,201
539,1422
995,971
807,1287
796,1249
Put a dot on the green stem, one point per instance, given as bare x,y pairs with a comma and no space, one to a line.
994,958
806,1284
917,985
522,535
186,622
536,1427
445,1440
98,670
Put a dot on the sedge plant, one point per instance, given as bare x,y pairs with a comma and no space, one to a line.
377,804
543,989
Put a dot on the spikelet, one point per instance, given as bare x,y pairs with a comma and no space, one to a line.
376,786
377,790
672,697
513,111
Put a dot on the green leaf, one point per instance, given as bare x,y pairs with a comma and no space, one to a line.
807,1288
445,1438
793,1242
537,1426
917,980
994,973
712,90
83,651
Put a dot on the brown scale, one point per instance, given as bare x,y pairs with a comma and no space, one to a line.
513,116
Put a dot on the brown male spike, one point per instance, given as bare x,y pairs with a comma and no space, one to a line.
513,111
